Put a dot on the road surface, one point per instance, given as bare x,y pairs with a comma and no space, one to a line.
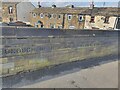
102,76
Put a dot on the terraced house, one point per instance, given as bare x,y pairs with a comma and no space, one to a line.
68,17
9,11
71,17
102,18
16,11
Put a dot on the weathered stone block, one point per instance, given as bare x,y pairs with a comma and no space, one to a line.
3,60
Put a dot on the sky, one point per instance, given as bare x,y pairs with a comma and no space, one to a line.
76,3
77,0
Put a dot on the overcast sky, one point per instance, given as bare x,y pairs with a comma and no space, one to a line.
77,3
77,0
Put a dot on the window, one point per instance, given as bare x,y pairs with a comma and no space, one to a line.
60,27
36,24
46,15
10,9
106,20
69,17
80,18
52,25
71,27
92,19
11,19
50,15
54,15
40,24
34,15
41,15
59,16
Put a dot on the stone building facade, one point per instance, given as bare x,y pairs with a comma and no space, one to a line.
58,17
101,18
100,22
75,18
9,12
68,17
16,11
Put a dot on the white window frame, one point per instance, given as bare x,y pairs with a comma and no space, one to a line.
54,15
71,27
79,17
52,25
60,26
51,16
10,10
69,16
34,15
41,15
59,17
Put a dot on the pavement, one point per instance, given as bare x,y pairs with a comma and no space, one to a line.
101,76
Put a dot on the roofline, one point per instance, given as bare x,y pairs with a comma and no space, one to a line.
33,5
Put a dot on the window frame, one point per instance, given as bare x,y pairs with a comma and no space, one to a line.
106,20
59,16
69,16
60,26
52,25
34,15
41,15
92,20
79,18
10,12
50,16
54,15
11,19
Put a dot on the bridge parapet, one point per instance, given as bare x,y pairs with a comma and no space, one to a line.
25,49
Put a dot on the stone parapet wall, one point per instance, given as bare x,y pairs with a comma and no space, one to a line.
23,54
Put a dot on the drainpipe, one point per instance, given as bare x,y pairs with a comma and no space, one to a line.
63,23
115,23
16,11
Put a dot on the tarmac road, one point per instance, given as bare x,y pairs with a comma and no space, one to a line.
102,76
24,79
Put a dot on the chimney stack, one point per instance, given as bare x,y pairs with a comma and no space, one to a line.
39,5
53,6
92,5
70,6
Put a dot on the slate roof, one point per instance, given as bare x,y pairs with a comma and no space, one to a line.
109,11
10,2
59,10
